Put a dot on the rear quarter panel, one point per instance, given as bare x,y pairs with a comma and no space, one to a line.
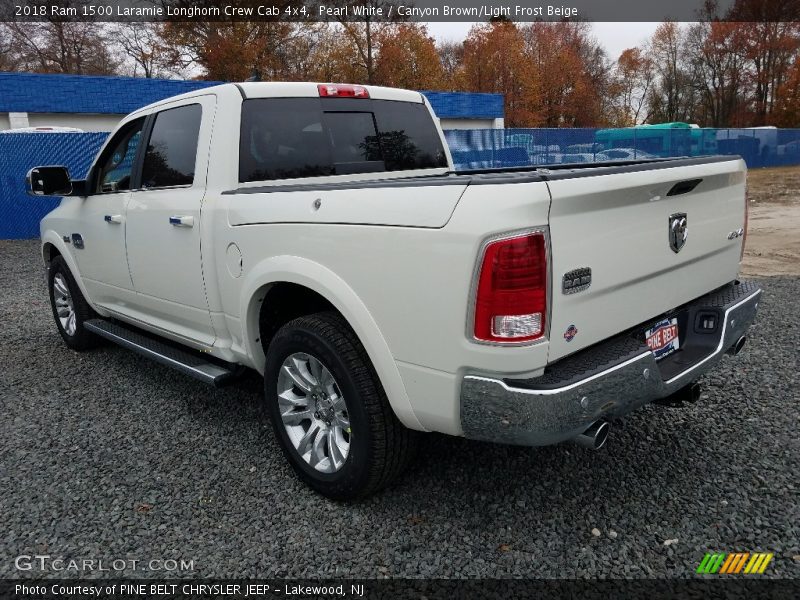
414,284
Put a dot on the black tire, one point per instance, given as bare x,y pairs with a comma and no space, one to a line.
81,339
380,446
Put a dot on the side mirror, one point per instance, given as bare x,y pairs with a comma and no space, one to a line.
49,181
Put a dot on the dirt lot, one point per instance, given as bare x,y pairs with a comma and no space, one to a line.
773,239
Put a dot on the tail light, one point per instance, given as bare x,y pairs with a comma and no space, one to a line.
341,90
746,219
511,297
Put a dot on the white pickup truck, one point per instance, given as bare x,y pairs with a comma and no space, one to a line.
318,234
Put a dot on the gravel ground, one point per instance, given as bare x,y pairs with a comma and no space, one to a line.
106,455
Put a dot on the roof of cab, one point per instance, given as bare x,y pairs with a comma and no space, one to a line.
303,89
289,89
193,94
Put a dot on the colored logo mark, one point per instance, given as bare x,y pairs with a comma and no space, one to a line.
720,563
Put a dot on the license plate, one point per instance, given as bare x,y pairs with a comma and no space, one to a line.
662,338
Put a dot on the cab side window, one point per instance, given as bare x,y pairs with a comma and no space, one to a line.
172,148
116,165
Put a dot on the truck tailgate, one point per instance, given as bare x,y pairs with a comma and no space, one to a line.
616,222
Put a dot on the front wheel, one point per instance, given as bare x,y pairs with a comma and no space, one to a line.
70,309
329,410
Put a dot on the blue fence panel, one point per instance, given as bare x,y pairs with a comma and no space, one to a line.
19,213
788,145
493,148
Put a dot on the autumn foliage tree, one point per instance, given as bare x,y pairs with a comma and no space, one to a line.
787,106
770,40
332,58
495,60
234,50
407,58
570,77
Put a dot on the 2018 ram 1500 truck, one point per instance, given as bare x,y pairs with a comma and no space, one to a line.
318,234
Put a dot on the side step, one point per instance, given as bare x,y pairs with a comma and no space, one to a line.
184,360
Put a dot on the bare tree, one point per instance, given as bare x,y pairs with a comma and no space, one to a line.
673,95
633,76
365,34
718,62
140,44
451,55
8,60
62,47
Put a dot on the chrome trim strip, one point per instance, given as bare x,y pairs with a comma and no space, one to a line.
566,388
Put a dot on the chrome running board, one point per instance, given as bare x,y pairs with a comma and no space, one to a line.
186,361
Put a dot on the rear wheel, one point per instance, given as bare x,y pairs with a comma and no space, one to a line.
329,410
70,309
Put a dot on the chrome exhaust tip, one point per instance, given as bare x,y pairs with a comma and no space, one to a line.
595,435
737,347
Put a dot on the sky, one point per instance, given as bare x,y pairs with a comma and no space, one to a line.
615,37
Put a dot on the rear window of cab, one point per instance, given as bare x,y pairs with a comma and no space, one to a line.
289,138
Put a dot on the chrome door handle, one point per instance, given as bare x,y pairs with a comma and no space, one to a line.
116,219
181,221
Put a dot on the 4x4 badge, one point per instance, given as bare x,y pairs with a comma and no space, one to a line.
678,231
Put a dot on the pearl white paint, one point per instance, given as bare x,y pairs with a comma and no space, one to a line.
398,263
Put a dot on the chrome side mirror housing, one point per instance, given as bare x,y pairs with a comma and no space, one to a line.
49,181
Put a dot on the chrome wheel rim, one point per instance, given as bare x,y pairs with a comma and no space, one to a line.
314,412
64,307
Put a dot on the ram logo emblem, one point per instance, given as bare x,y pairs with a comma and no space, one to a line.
678,231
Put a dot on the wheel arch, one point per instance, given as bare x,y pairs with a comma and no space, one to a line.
284,301
53,245
321,282
49,252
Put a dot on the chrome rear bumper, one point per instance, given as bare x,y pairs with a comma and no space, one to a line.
604,381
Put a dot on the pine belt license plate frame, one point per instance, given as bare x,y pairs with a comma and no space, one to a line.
663,337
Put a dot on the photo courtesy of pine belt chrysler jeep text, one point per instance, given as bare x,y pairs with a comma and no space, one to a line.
318,234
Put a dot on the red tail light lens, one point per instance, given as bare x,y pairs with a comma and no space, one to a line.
511,300
340,90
